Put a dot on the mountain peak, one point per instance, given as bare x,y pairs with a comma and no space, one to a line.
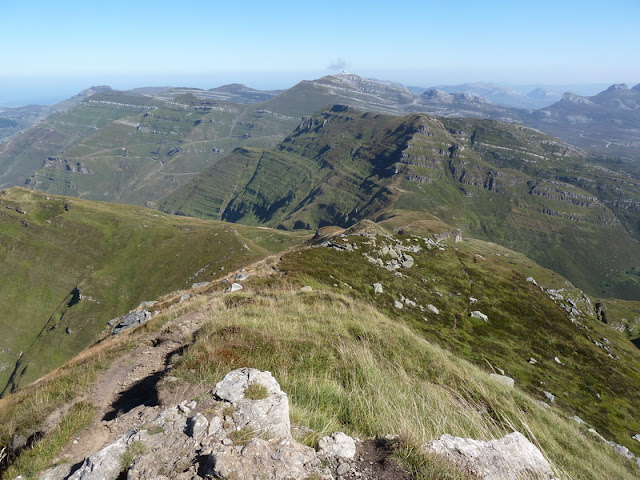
575,98
617,86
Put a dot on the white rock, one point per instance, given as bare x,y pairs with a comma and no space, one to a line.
512,457
269,415
532,280
197,425
337,445
479,315
102,465
235,287
433,309
550,396
377,288
503,379
306,288
397,304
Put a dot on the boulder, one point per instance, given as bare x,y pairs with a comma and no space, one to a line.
479,315
433,309
131,320
377,288
337,445
235,287
269,415
104,464
306,288
550,396
199,284
503,379
276,459
511,457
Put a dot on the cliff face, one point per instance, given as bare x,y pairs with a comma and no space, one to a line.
505,183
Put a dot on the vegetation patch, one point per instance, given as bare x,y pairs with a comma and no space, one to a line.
256,391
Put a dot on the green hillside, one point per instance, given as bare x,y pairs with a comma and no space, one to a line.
500,182
134,149
409,360
69,265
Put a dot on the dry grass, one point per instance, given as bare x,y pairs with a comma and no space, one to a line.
346,366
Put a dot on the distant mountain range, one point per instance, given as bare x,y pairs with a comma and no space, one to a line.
196,153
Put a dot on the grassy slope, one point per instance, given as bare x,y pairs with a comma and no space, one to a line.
115,255
139,155
349,361
504,183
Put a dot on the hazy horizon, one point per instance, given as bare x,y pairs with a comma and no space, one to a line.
48,91
56,49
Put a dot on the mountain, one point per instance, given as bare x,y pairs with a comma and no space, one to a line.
394,338
501,182
607,123
133,148
15,120
69,265
235,93
504,96
170,135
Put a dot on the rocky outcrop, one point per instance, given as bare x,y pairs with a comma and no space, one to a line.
244,432
511,457
130,320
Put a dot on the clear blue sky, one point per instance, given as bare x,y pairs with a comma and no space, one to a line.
275,44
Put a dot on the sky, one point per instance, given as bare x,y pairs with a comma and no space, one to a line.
53,49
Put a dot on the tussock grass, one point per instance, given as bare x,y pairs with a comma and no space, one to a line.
347,366
36,459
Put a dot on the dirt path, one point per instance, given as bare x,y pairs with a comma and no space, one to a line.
130,383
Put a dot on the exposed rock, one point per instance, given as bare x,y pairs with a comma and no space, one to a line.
479,315
557,360
397,304
306,288
577,419
242,438
550,396
269,415
58,473
337,445
510,458
197,425
433,309
235,287
503,379
532,280
199,284
130,320
102,465
377,288
532,361
184,297
622,450
275,459
241,276
636,437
